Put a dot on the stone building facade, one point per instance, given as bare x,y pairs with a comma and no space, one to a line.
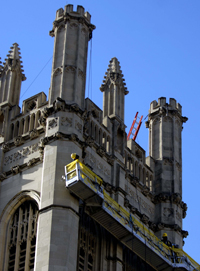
42,225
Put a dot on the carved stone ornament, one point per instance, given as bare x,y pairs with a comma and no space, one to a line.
176,198
65,121
184,233
178,166
162,197
145,190
59,104
100,151
135,181
59,135
126,203
133,210
160,226
75,107
15,169
110,160
89,141
73,25
109,188
114,76
45,112
184,214
18,141
43,142
33,134
70,69
176,227
145,219
78,126
31,162
152,226
168,212
5,147
147,124
42,121
53,123
184,206
57,71
81,74
73,137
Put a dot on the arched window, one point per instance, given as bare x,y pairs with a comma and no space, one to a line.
26,127
108,144
87,260
22,237
104,140
21,127
11,135
147,179
38,114
32,122
16,129
151,183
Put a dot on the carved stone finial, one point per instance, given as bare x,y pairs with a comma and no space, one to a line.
31,162
33,134
5,147
15,169
59,104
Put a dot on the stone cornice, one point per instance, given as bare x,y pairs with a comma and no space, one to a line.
20,168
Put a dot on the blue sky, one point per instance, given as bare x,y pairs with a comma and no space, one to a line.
158,45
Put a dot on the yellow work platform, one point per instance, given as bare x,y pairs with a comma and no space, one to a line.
86,185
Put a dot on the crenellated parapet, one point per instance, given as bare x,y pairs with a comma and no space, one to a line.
62,15
163,108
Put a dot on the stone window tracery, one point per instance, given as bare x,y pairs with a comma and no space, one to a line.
22,238
87,244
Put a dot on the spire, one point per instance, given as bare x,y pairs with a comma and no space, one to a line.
114,74
13,60
11,76
114,88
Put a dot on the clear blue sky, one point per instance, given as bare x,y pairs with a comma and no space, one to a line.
158,45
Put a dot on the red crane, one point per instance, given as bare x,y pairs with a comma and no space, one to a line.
136,130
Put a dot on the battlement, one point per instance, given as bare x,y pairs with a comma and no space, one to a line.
80,11
172,105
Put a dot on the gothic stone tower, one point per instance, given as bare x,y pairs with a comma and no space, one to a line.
165,147
72,31
43,226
